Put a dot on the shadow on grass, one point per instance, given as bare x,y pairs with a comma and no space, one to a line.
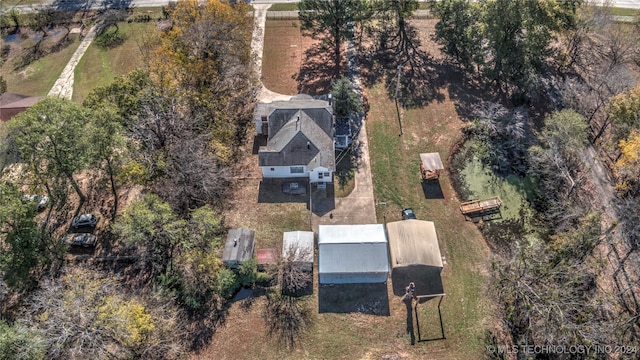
317,71
432,189
370,299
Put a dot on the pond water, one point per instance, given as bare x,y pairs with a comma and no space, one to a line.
37,36
476,181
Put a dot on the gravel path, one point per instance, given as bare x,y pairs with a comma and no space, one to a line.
63,87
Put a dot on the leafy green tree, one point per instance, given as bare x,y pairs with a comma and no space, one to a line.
516,37
51,139
331,21
24,247
226,283
346,100
459,32
19,342
198,264
152,224
3,85
125,94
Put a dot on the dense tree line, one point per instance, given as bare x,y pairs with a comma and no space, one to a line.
170,130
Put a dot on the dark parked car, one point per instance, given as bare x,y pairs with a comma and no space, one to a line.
407,213
80,239
84,220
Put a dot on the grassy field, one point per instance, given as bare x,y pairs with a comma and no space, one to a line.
283,7
38,77
98,66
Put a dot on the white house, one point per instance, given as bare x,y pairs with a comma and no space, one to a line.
352,254
299,139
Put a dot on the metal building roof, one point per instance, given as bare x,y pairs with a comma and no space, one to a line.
413,242
349,234
239,247
352,249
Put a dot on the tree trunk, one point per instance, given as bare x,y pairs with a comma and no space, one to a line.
114,189
78,191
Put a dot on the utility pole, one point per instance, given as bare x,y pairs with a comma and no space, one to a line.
396,99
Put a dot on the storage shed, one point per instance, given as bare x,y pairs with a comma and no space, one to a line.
239,247
430,166
299,246
352,254
415,257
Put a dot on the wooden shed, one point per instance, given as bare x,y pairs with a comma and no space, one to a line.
430,166
12,104
239,247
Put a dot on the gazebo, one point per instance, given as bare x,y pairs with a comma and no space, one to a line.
430,166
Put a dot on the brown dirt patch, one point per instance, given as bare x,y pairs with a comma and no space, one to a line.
283,55
296,64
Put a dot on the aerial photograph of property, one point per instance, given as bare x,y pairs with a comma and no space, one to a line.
319,179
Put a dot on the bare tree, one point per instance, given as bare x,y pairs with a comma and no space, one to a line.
286,314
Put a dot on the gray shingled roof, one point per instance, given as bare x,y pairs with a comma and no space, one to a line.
288,136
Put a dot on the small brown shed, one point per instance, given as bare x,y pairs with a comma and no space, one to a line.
12,104
239,247
430,166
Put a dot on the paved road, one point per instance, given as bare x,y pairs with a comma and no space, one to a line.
99,4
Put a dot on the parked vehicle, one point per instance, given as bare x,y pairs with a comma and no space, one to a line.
84,221
80,239
407,213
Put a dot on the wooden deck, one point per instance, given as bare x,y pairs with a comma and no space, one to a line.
479,207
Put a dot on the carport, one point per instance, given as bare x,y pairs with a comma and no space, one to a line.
415,257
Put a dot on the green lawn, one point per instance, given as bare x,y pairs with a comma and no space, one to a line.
99,67
38,77
284,7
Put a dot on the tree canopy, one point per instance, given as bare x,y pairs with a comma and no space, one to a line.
346,100
508,40
331,21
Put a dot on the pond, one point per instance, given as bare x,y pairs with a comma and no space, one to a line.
473,180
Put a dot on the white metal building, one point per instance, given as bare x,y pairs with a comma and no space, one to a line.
352,254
